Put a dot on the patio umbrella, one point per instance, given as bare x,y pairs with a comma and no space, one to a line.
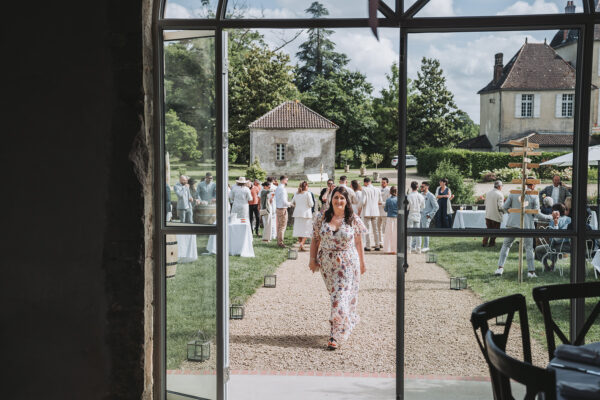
566,160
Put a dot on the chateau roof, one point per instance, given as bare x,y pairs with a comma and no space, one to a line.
479,142
546,139
292,115
536,66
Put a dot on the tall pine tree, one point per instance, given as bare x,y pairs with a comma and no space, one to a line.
317,55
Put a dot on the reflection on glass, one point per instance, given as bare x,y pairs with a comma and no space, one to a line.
507,125
593,182
188,9
283,9
191,316
190,136
443,8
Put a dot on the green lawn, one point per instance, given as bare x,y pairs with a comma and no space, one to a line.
191,294
466,257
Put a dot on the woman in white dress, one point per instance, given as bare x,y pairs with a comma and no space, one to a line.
303,203
357,208
240,196
267,210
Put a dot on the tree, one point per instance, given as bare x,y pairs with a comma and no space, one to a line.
317,55
433,117
345,99
376,159
255,171
259,80
347,155
181,139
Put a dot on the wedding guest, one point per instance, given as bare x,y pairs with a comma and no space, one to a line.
416,204
382,219
391,229
282,204
557,191
371,202
184,200
562,245
357,208
192,183
494,200
207,189
443,195
351,193
240,196
428,213
325,192
253,206
547,204
514,222
336,250
303,203
267,211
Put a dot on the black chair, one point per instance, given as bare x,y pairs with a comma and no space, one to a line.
537,381
508,306
543,295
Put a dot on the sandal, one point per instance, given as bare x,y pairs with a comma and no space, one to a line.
332,344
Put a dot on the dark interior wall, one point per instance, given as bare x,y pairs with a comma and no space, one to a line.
71,325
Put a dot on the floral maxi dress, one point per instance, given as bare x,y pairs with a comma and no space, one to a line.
340,268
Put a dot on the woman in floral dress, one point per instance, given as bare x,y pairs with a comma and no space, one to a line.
337,250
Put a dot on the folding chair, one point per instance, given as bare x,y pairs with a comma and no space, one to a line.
543,295
554,257
536,380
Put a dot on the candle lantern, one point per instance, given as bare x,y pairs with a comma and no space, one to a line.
458,283
236,310
292,254
270,281
431,257
199,348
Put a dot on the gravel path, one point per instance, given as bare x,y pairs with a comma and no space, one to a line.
286,328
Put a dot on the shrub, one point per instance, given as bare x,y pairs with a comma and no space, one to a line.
376,159
487,176
255,171
363,159
463,191
347,155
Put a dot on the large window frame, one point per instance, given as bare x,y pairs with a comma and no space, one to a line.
406,22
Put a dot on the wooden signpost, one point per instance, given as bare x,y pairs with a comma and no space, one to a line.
523,148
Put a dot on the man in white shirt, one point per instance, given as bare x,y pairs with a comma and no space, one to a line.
351,193
416,204
282,204
494,200
385,194
370,213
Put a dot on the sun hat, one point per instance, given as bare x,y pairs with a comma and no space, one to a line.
241,179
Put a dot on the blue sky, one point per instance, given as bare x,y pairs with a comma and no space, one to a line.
466,58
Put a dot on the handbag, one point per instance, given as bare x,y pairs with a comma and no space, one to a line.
263,212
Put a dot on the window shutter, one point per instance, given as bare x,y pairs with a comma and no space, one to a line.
536,106
558,106
518,105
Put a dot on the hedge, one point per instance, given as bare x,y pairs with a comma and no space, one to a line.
470,163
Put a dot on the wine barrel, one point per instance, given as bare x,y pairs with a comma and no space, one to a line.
205,215
172,255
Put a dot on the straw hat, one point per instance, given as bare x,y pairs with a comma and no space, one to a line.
241,179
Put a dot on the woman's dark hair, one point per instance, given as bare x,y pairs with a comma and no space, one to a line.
394,191
355,185
303,186
444,180
560,207
348,212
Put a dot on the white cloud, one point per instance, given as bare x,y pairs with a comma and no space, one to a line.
437,8
276,13
523,7
175,10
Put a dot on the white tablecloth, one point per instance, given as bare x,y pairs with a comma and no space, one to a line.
473,219
240,241
594,221
187,248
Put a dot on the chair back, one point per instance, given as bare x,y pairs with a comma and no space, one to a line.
543,295
508,306
536,380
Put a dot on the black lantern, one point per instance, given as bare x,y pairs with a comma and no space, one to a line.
292,254
199,348
236,310
501,319
431,258
458,283
270,281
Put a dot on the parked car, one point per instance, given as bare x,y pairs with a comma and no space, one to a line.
411,161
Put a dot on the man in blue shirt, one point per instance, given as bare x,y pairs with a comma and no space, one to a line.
428,213
207,189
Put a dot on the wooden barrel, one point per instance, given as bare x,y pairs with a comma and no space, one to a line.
205,215
172,255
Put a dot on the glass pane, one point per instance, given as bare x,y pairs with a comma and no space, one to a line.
468,125
444,8
285,9
593,200
191,316
190,134
431,303
186,9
